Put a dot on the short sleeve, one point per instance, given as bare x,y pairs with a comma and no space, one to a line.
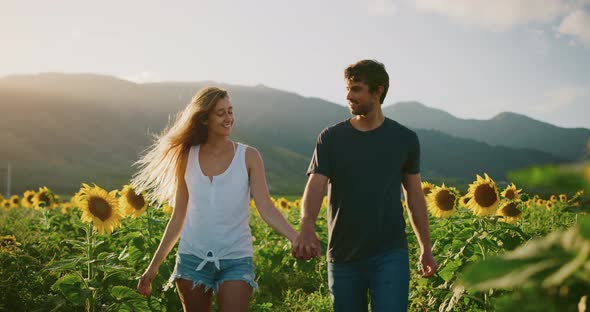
412,164
320,160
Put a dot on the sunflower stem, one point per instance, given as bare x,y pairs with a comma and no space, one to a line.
45,219
90,242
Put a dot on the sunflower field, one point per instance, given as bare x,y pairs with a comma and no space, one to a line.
498,249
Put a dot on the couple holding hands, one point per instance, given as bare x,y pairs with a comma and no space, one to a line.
364,161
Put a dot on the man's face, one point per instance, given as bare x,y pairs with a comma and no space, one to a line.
360,100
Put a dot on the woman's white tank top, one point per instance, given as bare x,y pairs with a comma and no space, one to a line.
217,218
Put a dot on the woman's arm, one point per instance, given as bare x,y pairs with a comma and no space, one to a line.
172,232
269,213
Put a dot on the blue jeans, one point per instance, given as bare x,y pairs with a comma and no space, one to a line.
386,278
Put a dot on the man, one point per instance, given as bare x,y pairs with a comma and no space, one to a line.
365,160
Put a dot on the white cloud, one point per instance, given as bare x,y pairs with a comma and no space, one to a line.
76,33
500,14
143,77
561,99
577,25
381,8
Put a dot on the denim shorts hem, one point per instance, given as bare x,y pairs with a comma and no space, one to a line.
196,283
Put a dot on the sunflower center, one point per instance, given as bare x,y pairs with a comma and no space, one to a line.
485,195
510,194
445,200
44,197
15,200
136,201
30,198
510,210
465,200
427,190
284,205
100,208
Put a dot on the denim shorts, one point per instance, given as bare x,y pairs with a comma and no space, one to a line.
210,275
384,277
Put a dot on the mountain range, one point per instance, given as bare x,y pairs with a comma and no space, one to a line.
60,130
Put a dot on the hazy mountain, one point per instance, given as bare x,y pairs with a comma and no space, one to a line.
506,129
61,129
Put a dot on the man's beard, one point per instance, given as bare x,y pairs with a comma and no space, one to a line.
360,109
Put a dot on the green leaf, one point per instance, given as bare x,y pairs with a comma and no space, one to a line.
72,287
130,298
68,264
125,293
504,273
448,271
584,227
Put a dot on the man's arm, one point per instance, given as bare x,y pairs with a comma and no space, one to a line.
307,245
419,219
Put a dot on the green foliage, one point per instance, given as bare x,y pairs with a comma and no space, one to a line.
484,264
549,179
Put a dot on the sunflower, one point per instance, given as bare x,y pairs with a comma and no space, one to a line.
562,198
511,192
131,203
509,210
297,203
27,200
100,208
484,196
553,198
66,207
587,173
253,203
6,204
9,244
14,201
404,206
442,201
283,203
44,198
325,202
427,188
550,205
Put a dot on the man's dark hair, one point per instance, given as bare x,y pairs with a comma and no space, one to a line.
370,72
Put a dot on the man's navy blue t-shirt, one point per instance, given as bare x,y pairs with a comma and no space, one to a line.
365,170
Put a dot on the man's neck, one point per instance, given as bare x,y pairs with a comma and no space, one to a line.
370,121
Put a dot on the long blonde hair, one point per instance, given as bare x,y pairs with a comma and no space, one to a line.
157,174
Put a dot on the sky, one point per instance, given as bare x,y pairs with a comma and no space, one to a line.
471,58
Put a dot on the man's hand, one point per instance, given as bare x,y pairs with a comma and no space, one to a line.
428,264
307,245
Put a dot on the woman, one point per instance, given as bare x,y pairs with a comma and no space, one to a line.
214,178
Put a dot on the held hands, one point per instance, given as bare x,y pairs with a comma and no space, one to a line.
428,265
307,245
144,284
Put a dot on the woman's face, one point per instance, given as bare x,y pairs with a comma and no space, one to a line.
221,118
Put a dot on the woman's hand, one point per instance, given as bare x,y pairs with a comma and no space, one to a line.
145,282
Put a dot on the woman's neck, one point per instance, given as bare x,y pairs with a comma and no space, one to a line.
216,143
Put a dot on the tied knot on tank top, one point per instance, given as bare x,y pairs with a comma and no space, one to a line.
209,258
